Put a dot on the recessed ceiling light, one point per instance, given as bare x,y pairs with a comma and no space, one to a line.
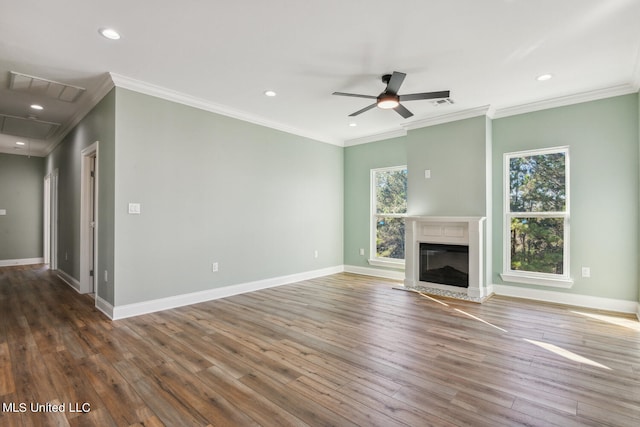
544,77
270,93
109,33
19,143
37,107
353,125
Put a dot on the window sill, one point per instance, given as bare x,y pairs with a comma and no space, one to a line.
389,263
537,280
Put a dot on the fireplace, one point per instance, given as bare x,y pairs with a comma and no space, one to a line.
446,254
444,264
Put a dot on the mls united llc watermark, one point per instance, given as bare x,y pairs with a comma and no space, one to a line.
22,407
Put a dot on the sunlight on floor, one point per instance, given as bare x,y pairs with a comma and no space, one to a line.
620,321
432,299
566,353
480,320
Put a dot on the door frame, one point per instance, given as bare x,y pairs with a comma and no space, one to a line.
50,238
46,238
88,254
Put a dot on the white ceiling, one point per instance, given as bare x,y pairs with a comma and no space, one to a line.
223,55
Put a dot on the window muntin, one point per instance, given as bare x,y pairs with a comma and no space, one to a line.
537,215
389,209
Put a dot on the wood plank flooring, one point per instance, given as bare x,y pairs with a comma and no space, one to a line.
343,350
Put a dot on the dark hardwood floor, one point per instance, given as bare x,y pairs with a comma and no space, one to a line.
343,350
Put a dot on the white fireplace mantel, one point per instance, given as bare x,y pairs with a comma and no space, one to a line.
456,230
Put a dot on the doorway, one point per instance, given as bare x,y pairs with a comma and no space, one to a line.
89,220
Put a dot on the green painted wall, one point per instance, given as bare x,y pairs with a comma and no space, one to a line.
260,202
358,162
21,195
455,153
215,189
98,125
604,161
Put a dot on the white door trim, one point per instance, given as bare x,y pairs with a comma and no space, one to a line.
46,238
51,220
88,233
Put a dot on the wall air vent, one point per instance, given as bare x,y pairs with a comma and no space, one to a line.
43,87
27,127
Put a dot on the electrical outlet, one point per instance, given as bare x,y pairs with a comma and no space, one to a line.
106,276
586,272
361,251
214,267
315,254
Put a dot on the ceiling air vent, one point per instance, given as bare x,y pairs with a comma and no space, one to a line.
43,87
27,128
444,101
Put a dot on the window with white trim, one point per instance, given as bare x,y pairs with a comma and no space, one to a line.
388,212
536,217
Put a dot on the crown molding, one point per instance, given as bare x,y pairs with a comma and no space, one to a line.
375,137
563,101
111,80
447,118
86,104
203,104
417,124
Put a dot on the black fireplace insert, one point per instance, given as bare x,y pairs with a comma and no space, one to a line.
444,264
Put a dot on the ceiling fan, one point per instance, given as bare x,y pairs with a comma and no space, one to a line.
389,98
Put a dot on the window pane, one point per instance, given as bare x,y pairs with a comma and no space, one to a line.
537,244
390,237
537,183
391,191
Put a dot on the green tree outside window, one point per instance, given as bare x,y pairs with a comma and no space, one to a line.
537,211
390,193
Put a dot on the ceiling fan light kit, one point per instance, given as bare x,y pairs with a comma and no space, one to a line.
388,102
389,98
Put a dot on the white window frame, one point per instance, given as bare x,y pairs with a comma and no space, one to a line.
373,250
534,278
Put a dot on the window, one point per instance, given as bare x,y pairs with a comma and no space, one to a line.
536,217
389,209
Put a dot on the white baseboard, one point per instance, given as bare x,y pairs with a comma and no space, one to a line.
145,307
587,301
101,304
23,261
638,312
104,307
69,280
375,272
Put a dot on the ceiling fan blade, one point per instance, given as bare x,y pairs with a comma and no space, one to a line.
403,111
367,108
354,95
425,95
395,82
